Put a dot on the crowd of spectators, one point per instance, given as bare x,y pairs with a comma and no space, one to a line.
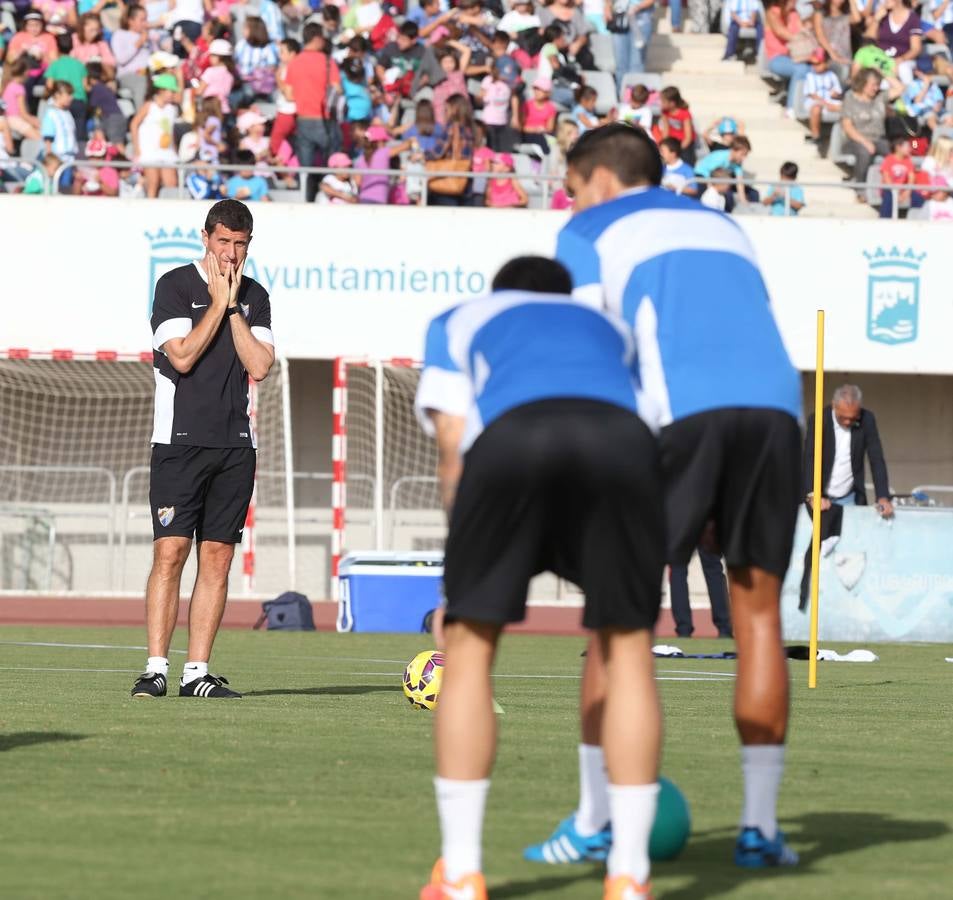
402,101
879,72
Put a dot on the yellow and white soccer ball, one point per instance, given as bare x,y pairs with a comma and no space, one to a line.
422,679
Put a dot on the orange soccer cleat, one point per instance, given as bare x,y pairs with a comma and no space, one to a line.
624,887
470,887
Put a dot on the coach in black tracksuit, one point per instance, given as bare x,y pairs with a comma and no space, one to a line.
850,434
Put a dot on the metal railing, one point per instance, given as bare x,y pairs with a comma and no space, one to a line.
540,184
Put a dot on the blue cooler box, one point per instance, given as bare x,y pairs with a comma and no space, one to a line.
388,591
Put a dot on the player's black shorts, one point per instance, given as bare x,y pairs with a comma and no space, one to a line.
569,486
201,491
737,470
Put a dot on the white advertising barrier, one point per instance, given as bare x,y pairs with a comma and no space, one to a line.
80,274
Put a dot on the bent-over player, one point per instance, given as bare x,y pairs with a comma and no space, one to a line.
558,473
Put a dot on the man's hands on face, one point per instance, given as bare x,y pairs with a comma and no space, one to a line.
218,286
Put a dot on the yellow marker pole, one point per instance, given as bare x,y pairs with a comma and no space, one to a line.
816,507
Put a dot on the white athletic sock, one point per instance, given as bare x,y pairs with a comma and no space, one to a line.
157,665
593,813
633,813
460,805
763,766
193,671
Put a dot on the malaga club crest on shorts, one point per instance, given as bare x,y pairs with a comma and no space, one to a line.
166,515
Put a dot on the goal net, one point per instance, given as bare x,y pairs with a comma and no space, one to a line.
74,478
385,491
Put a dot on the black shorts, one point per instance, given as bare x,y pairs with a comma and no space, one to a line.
567,486
200,491
738,471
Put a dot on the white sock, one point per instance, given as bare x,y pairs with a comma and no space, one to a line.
460,805
762,766
633,814
593,813
193,671
157,665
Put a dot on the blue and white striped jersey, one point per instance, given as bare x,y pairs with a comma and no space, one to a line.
59,127
492,354
685,279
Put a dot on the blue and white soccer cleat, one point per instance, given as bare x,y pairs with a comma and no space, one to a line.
566,845
754,851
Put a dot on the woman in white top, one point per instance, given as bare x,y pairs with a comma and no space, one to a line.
152,135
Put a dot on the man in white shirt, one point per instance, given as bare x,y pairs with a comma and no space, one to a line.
850,433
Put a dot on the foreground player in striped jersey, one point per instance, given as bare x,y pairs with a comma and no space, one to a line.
544,464
723,392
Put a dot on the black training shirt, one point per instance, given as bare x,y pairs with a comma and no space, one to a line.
208,406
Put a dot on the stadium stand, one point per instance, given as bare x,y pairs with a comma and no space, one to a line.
150,95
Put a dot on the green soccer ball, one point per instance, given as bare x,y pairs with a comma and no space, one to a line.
673,822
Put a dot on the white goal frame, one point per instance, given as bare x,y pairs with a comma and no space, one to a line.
111,534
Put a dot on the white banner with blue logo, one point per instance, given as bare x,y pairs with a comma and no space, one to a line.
884,580
365,281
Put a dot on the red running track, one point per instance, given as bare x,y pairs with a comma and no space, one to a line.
243,614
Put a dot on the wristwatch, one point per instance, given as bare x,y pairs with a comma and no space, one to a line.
232,310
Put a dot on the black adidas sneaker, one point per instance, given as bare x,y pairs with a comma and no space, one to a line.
150,684
209,687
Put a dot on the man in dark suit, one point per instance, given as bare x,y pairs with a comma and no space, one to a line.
850,433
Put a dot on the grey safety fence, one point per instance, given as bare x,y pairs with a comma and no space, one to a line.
545,182
541,185
89,539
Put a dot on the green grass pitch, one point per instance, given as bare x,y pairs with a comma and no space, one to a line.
318,784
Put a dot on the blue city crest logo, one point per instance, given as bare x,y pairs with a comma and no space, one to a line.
893,295
169,250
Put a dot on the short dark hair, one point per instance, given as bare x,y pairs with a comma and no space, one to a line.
94,69
740,142
553,31
243,158
291,45
538,274
640,94
789,170
64,43
625,150
409,30
585,92
61,87
312,31
330,12
673,144
231,214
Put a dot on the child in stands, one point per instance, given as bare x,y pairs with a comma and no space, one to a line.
504,193
58,129
676,122
376,156
500,110
40,180
786,199
923,99
716,195
539,115
897,168
720,133
584,112
636,110
338,188
678,175
18,113
822,91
